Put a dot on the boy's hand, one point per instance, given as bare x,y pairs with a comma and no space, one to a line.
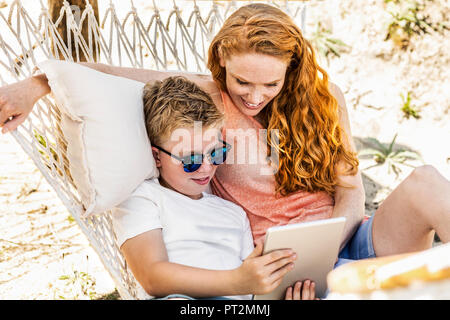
302,291
262,274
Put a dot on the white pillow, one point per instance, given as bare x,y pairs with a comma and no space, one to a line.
103,122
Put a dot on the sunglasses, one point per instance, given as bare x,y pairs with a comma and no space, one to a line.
193,162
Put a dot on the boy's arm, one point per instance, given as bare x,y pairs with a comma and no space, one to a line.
147,257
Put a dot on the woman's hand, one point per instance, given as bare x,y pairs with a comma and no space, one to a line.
17,100
305,290
261,274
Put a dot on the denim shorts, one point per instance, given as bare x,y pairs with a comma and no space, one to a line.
360,245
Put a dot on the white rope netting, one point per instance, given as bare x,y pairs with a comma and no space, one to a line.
157,37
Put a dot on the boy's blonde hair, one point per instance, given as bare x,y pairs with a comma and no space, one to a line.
176,102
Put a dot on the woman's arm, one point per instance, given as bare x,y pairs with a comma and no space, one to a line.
17,99
349,202
147,258
147,75
144,75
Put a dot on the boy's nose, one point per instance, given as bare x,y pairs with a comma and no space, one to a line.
206,166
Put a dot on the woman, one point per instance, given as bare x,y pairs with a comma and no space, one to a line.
265,76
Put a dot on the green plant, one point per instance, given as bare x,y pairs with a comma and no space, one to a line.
82,284
40,139
323,42
70,218
383,154
42,148
408,18
408,109
110,296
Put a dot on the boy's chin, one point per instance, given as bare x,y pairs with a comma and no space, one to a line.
190,188
195,194
197,190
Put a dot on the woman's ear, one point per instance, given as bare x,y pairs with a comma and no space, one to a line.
221,59
155,153
221,62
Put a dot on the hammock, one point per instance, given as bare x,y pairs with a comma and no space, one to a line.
171,39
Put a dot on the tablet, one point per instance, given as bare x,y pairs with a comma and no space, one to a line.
317,246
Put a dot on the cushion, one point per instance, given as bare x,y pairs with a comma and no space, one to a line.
102,119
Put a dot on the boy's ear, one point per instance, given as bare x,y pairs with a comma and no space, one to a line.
155,153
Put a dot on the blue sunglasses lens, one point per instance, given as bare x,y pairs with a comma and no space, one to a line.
218,156
193,163
191,167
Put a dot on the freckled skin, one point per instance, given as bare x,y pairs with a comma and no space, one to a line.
253,78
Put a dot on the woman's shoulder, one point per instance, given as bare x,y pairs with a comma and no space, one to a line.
207,83
337,93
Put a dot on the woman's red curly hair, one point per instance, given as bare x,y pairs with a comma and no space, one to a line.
311,142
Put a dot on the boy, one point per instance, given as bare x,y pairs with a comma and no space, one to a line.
175,237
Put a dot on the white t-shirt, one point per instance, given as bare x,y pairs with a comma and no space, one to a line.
209,233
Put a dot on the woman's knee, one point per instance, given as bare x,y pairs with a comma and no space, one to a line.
425,177
428,190
419,188
424,171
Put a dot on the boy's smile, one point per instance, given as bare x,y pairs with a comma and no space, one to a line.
202,181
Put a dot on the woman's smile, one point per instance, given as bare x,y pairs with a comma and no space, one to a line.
252,105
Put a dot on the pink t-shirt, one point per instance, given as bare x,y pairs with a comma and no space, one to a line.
247,179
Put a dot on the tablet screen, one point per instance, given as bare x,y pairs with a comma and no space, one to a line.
316,244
